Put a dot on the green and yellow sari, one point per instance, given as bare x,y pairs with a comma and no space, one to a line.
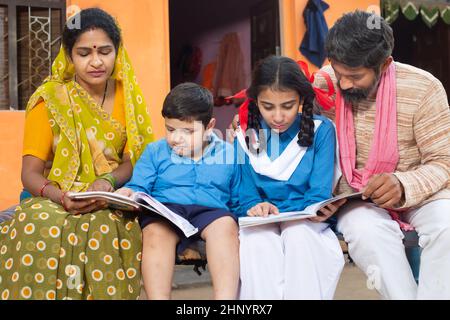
48,253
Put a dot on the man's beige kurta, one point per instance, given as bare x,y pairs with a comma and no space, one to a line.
423,121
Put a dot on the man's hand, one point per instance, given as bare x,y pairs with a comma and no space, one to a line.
234,123
231,132
385,190
326,212
263,210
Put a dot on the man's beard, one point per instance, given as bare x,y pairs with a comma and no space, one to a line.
353,96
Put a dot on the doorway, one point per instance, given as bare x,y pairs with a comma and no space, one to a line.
205,33
423,47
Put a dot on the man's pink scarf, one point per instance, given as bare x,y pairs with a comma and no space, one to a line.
384,155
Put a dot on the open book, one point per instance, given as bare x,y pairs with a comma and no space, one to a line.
140,202
309,212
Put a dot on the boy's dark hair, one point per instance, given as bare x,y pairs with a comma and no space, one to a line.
282,73
360,39
90,19
189,102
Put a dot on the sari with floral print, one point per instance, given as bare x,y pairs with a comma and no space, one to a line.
48,253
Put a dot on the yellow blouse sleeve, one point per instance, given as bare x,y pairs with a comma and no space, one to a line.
38,136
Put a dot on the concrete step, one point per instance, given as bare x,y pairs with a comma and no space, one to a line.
185,276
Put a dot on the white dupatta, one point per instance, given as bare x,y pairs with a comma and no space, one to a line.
283,167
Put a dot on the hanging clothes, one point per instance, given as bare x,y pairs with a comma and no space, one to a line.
313,44
190,63
230,75
208,74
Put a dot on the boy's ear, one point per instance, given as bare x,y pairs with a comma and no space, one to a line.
211,124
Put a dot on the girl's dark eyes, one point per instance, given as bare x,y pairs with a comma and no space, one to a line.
287,107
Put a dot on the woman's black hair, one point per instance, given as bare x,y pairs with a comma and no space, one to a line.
90,19
281,74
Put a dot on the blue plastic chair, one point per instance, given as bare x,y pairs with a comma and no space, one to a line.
413,252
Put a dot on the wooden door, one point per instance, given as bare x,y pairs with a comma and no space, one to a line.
424,47
265,30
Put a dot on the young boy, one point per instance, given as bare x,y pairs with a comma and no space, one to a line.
188,171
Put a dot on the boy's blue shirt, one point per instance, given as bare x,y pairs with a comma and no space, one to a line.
213,181
311,182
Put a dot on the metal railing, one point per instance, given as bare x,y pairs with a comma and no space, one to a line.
29,49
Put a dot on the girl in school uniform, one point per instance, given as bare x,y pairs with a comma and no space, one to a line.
289,159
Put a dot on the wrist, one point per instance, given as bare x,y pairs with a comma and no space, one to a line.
61,200
401,189
45,185
110,178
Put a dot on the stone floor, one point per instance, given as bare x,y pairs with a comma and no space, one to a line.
189,286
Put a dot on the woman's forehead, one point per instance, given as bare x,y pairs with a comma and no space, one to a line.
93,38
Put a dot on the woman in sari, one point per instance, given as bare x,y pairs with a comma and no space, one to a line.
85,128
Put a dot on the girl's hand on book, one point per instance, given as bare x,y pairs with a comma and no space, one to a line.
263,210
326,212
125,192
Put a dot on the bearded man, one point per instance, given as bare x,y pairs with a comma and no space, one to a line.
393,127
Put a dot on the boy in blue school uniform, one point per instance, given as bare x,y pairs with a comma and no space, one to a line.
194,174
